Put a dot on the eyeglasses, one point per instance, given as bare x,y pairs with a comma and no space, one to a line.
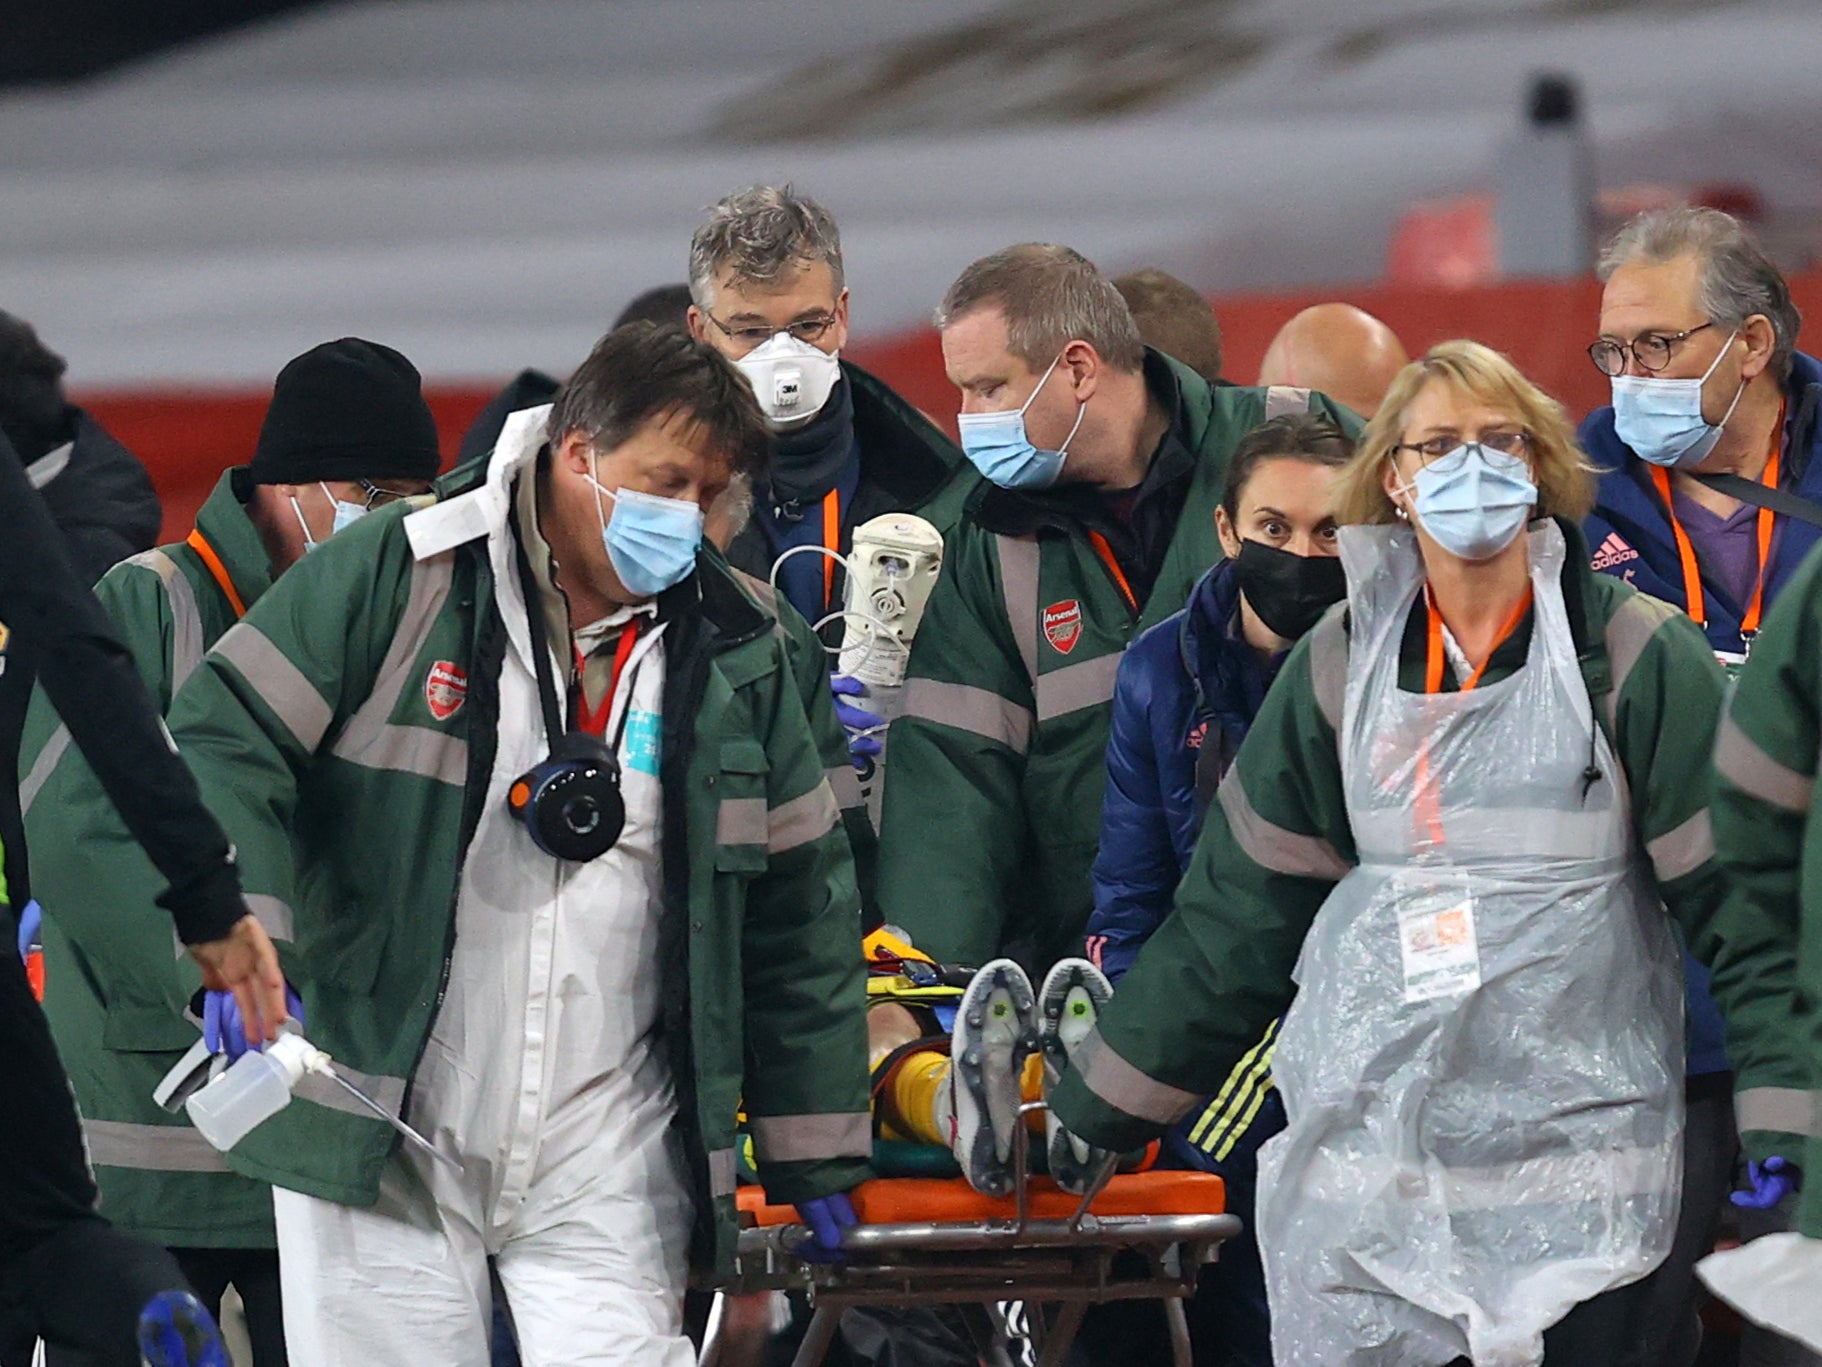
1651,350
378,497
1433,449
806,330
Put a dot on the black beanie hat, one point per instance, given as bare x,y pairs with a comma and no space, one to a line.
347,410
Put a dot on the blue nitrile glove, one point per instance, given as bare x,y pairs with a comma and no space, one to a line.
224,1031
1772,1181
31,917
827,1217
859,724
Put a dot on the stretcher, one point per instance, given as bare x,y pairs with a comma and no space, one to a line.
932,1241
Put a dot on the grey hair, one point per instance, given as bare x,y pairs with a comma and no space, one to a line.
1051,296
760,232
1736,280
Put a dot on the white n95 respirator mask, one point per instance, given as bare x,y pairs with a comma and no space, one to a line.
791,379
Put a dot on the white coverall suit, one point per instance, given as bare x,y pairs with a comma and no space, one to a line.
541,1078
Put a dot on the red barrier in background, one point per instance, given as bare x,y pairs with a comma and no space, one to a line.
187,437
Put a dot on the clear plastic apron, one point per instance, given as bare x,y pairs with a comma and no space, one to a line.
1483,1065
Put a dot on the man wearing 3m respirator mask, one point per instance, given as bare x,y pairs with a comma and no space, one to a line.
531,772
1107,461
1710,499
769,293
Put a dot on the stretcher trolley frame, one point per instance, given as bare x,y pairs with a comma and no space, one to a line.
1067,1260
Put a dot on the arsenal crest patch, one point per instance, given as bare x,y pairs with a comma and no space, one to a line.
1063,625
445,689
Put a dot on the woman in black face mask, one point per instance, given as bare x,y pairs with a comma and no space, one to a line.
1188,689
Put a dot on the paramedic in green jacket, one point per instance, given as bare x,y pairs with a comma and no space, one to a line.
1767,838
573,1017
1452,836
347,431
1107,461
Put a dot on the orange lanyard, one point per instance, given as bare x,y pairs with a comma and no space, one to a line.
197,542
1104,549
1427,794
1433,658
831,537
594,720
1692,571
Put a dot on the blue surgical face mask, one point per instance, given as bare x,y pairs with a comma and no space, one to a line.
1661,420
1000,450
1474,502
346,514
651,540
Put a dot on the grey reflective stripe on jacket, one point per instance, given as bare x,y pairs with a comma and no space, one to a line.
1271,846
980,711
1127,1088
371,738
800,821
1755,773
812,1138
149,1148
1282,400
1018,557
279,684
1784,1110
186,654
1073,687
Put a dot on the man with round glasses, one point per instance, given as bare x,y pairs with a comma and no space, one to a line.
1710,496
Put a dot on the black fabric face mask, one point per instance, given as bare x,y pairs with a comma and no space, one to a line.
1288,591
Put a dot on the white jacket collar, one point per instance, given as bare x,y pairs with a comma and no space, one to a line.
482,510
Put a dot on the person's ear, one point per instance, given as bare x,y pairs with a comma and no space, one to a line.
1392,481
573,451
697,322
1085,369
1761,340
1224,529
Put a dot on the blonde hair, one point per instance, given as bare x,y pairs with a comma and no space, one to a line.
1564,478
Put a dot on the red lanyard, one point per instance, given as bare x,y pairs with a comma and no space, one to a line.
1692,572
594,720
831,537
197,542
1433,659
1104,549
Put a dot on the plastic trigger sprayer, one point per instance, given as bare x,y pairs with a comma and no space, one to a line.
258,1085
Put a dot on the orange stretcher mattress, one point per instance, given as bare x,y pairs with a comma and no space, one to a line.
916,1200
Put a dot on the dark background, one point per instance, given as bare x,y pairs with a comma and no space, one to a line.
49,41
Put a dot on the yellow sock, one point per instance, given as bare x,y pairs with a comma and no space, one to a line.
919,1097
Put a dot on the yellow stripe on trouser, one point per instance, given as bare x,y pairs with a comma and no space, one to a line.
1226,1117
919,1080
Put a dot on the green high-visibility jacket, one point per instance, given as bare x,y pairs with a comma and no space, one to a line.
998,764
1769,841
116,983
322,733
1279,838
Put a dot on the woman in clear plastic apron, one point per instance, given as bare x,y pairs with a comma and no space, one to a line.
1459,816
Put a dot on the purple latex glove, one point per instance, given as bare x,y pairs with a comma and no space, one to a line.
859,723
31,920
827,1217
222,1028
1772,1181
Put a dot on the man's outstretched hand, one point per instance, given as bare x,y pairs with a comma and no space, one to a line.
244,963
